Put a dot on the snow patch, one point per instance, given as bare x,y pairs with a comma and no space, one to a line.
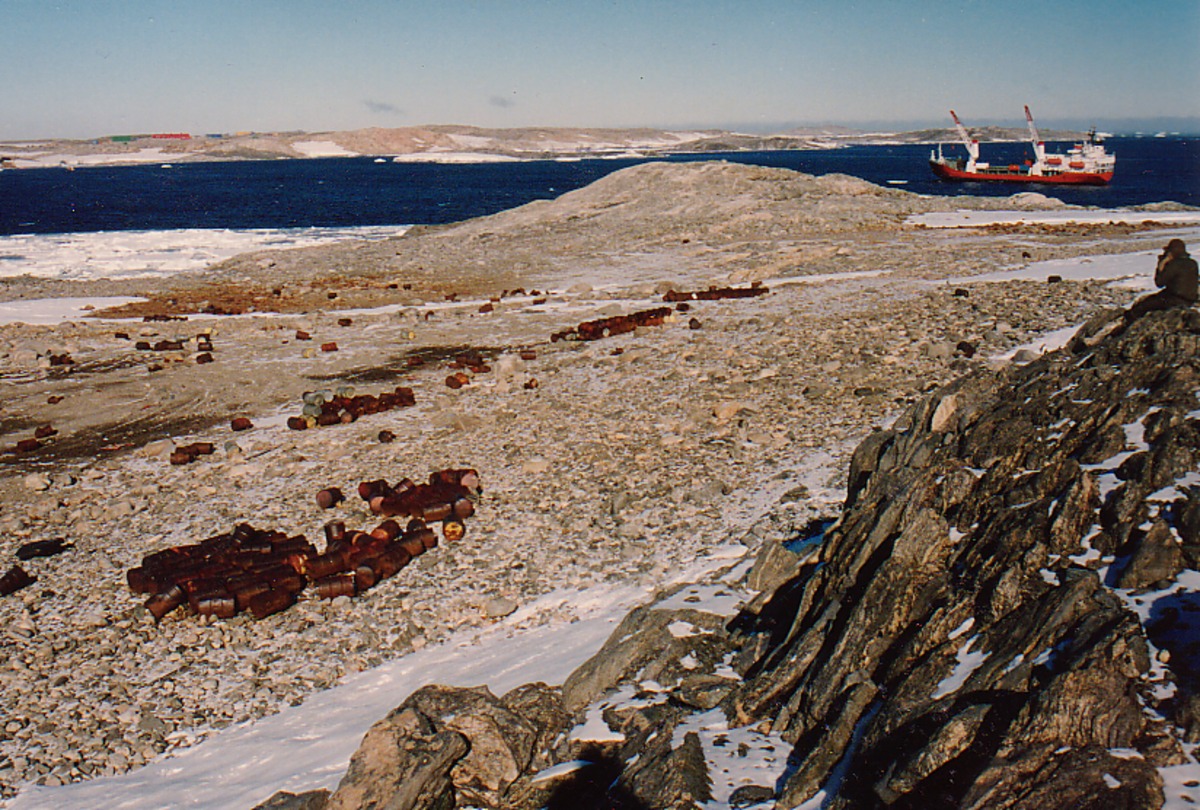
56,310
315,149
968,662
735,756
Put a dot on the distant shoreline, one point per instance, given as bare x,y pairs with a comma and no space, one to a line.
457,144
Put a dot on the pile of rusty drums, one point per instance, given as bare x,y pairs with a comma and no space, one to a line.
324,408
265,571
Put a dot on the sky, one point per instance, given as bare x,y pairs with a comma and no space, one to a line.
86,68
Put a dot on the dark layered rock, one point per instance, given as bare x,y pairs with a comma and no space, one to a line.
966,634
961,643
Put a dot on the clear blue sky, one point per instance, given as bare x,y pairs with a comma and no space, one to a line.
91,67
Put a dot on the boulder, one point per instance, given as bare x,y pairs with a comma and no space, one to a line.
403,763
448,745
1158,557
649,644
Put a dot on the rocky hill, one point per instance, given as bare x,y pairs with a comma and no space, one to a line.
1003,615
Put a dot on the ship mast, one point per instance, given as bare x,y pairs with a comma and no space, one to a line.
972,145
1039,147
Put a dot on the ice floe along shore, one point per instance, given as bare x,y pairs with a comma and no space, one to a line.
140,254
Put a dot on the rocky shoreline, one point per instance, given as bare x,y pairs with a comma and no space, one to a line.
631,456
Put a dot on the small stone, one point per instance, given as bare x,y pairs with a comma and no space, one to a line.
93,620
749,795
727,410
498,607
37,482
535,466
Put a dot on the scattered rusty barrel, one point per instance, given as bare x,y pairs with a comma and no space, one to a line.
428,537
244,593
325,564
332,587
223,607
373,489
366,545
364,577
160,604
390,562
388,530
203,590
288,581
293,545
140,581
463,508
432,513
452,530
329,497
270,602
14,580
413,545
334,530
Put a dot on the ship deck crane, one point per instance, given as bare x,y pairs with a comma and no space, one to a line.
1039,146
969,142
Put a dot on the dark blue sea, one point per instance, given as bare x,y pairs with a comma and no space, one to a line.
342,192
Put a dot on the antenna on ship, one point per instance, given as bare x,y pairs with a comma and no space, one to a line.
971,144
1039,148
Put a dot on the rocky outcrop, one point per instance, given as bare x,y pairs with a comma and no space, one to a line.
966,637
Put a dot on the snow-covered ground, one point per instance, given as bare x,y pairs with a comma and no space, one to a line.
129,254
434,156
146,155
979,219
315,149
55,310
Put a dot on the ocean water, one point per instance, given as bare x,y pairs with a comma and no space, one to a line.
355,192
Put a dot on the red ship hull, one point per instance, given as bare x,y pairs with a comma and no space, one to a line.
1067,178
